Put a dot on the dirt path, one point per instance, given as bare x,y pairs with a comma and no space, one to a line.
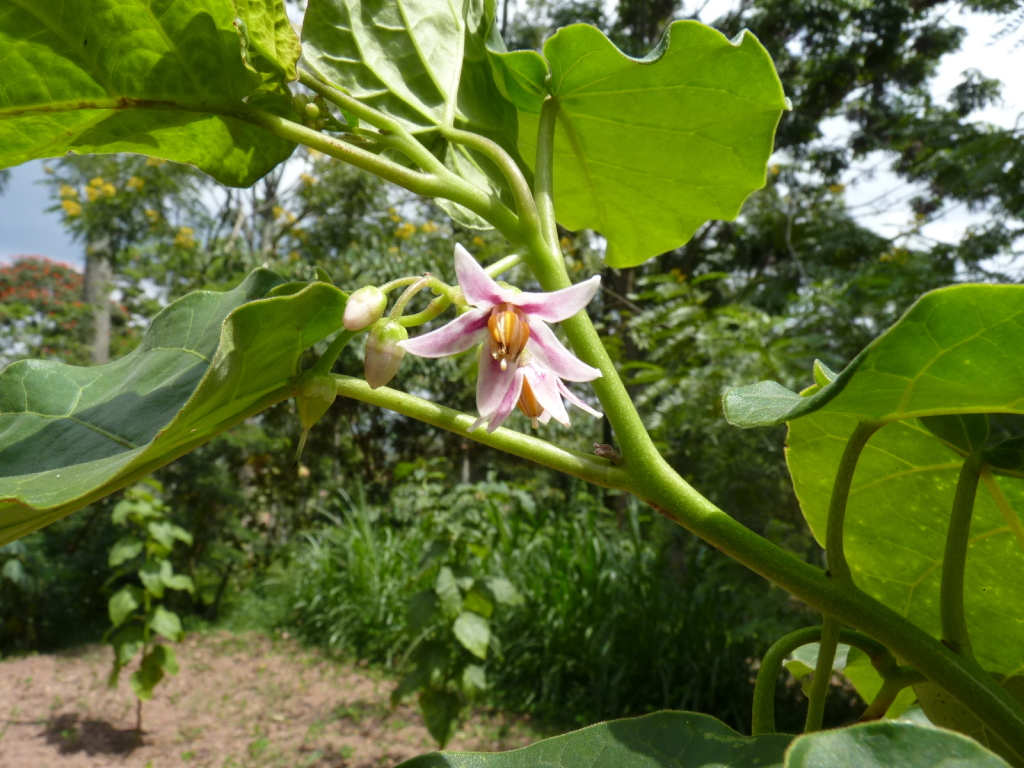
240,700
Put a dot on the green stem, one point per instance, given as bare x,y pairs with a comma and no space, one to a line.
954,561
525,206
334,349
822,674
433,309
891,687
835,553
584,466
544,176
405,298
771,664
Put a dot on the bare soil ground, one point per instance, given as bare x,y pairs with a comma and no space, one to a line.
239,701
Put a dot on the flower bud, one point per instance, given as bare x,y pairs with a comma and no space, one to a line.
364,307
383,355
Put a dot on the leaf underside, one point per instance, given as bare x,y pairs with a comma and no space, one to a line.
70,435
133,76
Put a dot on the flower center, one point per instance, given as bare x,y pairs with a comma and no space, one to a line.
528,404
509,333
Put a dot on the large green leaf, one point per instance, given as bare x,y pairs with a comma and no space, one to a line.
888,745
896,523
648,150
69,435
688,740
424,63
956,350
661,740
144,76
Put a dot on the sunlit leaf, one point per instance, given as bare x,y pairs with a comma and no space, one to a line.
166,623
474,632
957,350
69,435
646,151
157,78
123,603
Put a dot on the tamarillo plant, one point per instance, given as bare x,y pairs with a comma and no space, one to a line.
136,610
917,506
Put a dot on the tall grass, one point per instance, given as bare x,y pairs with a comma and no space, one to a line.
622,616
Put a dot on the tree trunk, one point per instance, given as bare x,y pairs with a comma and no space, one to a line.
98,277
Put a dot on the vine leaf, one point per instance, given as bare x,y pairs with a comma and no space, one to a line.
896,523
648,150
424,64
158,79
70,435
956,350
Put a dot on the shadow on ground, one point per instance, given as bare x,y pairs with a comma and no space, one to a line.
93,737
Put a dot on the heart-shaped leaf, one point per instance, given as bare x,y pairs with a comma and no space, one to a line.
896,523
956,350
69,435
157,78
648,150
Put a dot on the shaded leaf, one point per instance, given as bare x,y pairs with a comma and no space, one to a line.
111,76
440,710
448,592
896,523
956,350
474,680
648,150
124,550
155,664
660,740
127,641
149,575
69,435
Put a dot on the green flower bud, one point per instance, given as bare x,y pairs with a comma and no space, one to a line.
364,307
312,111
299,102
383,355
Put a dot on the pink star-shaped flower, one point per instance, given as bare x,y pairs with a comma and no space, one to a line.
522,363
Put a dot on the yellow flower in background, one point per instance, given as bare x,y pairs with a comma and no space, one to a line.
135,184
567,246
306,179
68,192
393,249
407,230
154,162
394,215
294,257
184,239
71,208
479,242
152,215
429,228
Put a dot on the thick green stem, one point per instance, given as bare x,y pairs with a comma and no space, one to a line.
954,561
835,553
771,664
822,674
891,687
587,467
334,349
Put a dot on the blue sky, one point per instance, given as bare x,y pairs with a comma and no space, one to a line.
24,226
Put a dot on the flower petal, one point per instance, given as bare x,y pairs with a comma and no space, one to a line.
478,287
465,331
576,401
560,305
493,383
550,353
544,385
509,403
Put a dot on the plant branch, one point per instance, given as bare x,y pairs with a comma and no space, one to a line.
544,175
822,674
954,560
835,553
584,466
891,687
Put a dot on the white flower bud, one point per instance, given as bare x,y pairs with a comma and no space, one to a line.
364,307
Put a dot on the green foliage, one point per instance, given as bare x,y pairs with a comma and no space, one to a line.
206,363
136,609
80,78
648,151
689,740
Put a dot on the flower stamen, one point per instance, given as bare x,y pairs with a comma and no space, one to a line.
508,333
